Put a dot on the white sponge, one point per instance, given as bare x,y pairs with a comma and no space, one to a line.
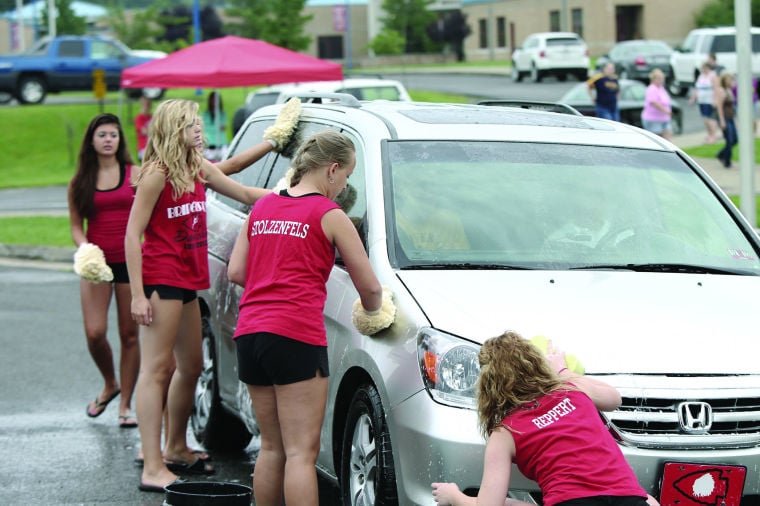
285,124
90,263
370,324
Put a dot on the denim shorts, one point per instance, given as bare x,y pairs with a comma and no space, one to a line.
656,127
706,110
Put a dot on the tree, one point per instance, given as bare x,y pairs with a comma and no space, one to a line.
66,22
721,12
455,30
139,31
450,30
411,18
211,24
279,22
388,42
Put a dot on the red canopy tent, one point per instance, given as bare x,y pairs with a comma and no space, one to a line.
229,62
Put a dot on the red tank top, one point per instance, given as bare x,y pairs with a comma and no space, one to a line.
563,445
108,225
175,249
289,261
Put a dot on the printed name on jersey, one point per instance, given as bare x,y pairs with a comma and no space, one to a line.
563,408
280,227
198,206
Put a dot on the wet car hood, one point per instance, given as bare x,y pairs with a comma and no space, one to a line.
614,322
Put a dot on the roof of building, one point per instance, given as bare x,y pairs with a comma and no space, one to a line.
34,10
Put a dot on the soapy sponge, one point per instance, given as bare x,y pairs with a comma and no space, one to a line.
90,263
372,323
573,364
282,130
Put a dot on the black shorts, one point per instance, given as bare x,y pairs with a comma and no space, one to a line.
266,359
606,500
120,274
166,292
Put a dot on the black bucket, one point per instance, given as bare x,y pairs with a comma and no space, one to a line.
211,493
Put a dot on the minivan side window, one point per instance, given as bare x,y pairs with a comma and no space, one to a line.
282,163
353,199
251,175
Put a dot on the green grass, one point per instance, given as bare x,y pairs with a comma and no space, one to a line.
36,231
710,150
41,142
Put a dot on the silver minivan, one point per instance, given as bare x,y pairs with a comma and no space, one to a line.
601,236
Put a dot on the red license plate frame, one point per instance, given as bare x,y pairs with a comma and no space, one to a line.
691,484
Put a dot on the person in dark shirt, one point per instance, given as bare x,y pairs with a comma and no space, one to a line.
604,90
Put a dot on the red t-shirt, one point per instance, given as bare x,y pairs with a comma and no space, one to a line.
108,225
562,444
175,249
142,120
289,261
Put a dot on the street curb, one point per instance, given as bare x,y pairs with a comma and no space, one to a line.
47,253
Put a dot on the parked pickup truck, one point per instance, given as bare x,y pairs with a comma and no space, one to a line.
67,63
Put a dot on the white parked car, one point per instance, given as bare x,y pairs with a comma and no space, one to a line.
551,53
687,58
363,88
599,235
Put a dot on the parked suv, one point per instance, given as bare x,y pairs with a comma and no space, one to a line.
688,58
601,236
552,53
364,88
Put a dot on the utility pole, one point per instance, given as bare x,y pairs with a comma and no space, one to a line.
52,14
742,15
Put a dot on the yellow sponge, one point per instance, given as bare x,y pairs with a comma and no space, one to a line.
573,364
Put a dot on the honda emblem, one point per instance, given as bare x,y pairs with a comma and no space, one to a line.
695,417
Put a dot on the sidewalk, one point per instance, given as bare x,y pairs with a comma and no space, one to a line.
728,179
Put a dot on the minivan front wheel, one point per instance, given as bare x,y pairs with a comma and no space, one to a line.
212,425
367,476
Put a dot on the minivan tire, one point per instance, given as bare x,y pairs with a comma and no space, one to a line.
212,425
367,477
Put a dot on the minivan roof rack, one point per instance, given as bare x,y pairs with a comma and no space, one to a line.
535,105
321,97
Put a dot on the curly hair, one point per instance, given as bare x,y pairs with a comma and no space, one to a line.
168,150
85,179
321,149
512,372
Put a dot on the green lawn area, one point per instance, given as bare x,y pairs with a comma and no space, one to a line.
41,142
710,150
36,231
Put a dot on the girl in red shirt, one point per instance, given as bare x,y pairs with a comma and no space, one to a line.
100,195
544,418
165,272
283,257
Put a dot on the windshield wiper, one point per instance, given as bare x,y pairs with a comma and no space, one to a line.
465,266
659,267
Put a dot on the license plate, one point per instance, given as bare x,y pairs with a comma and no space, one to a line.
686,484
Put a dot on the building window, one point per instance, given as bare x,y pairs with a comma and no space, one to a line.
577,15
330,47
501,31
554,19
483,33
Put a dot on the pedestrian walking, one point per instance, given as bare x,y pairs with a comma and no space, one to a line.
604,90
100,195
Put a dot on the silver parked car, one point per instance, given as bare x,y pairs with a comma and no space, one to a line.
607,239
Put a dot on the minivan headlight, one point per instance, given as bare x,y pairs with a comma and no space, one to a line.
449,367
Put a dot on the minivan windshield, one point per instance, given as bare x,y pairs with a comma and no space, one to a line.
478,204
